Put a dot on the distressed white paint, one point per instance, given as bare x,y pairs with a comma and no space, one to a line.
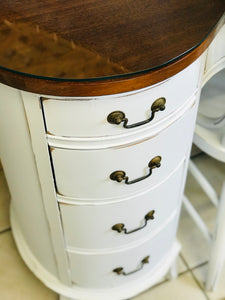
20,169
85,153
89,226
85,174
43,166
76,292
88,117
125,139
94,270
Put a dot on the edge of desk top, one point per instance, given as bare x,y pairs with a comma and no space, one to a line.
143,72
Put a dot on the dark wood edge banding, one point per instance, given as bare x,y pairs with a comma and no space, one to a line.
107,86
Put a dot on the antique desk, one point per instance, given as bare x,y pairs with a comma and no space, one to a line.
98,102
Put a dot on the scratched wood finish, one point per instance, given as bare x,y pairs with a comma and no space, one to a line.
157,37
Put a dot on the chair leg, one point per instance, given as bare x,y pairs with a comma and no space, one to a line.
196,218
206,186
217,253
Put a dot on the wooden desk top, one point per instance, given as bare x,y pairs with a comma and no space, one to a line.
90,47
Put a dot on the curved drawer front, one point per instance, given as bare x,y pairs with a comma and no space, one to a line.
88,118
96,270
118,224
85,175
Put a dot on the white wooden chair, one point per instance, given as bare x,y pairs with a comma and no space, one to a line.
209,136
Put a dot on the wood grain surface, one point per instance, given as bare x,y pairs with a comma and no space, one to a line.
138,43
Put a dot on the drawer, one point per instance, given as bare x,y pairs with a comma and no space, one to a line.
87,117
88,174
91,226
96,269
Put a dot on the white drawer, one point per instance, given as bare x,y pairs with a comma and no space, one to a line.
90,226
95,270
85,175
87,117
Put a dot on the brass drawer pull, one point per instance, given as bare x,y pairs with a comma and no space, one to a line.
119,271
121,227
121,175
117,117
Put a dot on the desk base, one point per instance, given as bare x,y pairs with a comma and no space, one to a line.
75,292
